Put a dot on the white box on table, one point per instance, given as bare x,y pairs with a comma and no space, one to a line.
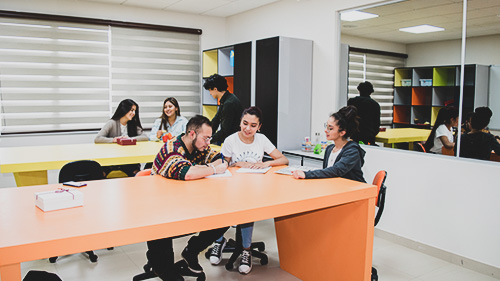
58,199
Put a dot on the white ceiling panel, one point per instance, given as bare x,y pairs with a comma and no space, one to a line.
482,15
218,8
238,6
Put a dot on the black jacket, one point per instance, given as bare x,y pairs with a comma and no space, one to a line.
369,119
478,146
347,165
228,117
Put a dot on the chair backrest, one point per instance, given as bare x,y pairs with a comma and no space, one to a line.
420,147
379,181
447,151
83,170
145,172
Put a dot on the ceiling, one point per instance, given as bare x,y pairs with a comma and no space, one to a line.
483,18
217,8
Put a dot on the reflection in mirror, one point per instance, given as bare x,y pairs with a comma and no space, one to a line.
411,90
482,124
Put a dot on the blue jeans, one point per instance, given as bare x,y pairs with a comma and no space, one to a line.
246,235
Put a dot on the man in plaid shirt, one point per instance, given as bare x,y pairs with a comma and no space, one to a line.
186,157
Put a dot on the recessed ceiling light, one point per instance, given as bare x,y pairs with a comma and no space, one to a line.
356,15
424,28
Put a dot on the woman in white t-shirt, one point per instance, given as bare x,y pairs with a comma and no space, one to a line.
170,121
246,149
441,134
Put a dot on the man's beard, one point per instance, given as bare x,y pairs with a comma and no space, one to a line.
193,144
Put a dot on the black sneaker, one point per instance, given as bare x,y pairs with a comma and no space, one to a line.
192,261
216,254
246,262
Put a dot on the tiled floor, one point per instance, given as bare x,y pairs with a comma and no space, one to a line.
394,263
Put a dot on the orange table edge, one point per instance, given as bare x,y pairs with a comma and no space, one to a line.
333,216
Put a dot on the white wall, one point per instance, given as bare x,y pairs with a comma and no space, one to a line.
372,44
440,201
314,20
479,50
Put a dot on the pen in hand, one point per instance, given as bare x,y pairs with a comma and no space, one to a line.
222,157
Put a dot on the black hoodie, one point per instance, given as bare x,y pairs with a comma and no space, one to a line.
347,165
478,145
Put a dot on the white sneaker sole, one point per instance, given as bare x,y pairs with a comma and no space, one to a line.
245,270
216,260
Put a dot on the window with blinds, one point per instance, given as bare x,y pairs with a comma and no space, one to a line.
62,76
379,70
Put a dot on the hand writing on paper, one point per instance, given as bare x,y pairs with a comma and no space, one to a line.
298,174
221,168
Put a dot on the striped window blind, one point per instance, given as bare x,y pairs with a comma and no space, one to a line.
152,65
61,76
378,70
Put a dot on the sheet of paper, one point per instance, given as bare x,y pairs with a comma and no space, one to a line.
226,174
253,171
288,170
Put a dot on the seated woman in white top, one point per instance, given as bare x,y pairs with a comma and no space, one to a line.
170,121
125,122
441,134
246,149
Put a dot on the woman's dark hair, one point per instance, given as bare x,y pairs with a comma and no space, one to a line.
253,110
123,108
347,120
215,81
444,116
164,117
481,118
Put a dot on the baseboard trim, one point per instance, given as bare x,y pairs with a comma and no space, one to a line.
440,254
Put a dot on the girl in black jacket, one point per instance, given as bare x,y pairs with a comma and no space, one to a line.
344,158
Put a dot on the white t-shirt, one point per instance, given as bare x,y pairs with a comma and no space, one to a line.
242,152
442,130
124,130
333,157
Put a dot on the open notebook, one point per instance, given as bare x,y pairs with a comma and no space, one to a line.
288,170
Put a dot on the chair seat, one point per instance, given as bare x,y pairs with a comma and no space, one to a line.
116,174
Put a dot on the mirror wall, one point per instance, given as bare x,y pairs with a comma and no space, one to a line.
431,75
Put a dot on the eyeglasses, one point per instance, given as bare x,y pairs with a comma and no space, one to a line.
206,139
328,128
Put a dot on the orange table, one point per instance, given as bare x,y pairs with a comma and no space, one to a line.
324,227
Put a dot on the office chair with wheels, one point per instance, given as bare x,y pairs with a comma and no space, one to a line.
379,181
182,267
83,170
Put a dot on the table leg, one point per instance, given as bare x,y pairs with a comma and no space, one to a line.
334,243
31,178
11,272
410,146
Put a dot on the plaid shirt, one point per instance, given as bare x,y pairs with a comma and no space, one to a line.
174,160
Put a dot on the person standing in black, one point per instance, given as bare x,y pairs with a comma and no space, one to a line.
368,112
230,109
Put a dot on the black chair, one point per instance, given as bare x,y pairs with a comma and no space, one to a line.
83,170
379,181
236,248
